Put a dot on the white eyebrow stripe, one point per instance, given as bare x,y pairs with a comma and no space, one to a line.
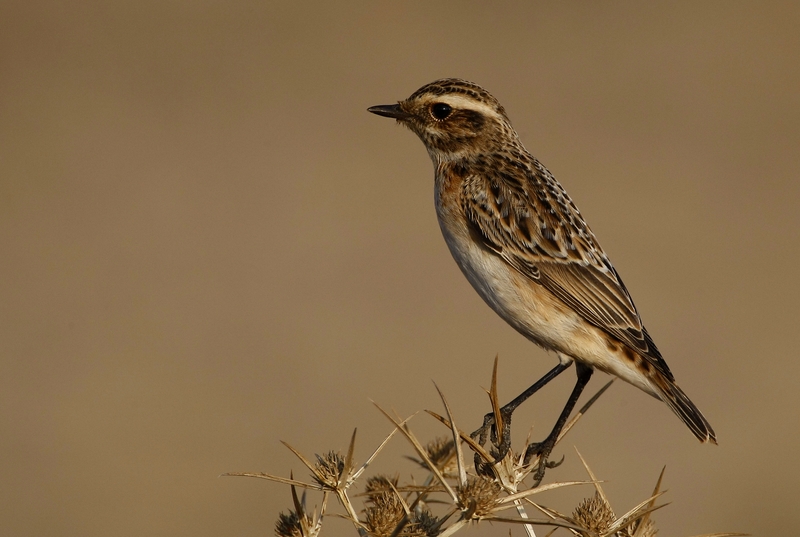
462,102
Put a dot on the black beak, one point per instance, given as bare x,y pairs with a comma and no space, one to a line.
389,110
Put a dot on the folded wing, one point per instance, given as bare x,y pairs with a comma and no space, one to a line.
536,229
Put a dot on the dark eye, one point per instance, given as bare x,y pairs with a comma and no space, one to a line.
441,111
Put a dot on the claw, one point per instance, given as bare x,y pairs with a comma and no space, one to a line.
501,441
541,450
554,464
484,468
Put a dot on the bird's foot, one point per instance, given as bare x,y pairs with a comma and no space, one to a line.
542,451
501,442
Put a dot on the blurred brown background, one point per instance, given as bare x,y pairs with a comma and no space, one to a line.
209,245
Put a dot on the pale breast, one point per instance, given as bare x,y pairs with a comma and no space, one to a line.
526,306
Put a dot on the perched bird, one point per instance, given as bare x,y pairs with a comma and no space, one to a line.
525,248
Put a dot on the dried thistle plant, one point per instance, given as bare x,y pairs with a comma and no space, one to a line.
462,493
594,514
297,523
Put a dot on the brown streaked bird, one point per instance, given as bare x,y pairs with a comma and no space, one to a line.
526,249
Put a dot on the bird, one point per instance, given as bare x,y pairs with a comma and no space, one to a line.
526,249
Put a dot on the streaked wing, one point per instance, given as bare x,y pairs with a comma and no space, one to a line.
535,228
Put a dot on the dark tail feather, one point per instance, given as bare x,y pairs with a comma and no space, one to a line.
685,409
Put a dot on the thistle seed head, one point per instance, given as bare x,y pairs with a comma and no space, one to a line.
594,514
384,512
379,484
288,525
329,469
478,497
441,452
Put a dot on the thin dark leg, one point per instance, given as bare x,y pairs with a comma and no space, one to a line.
539,384
544,448
507,410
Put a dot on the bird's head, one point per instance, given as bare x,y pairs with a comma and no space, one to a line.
452,117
